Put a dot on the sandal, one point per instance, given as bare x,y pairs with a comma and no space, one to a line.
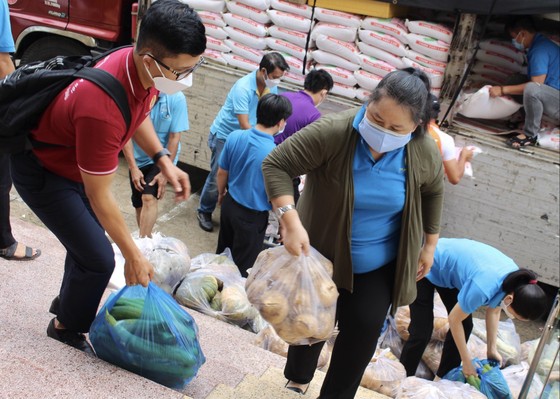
518,142
297,390
10,253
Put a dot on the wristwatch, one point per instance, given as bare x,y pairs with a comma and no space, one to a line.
160,154
283,209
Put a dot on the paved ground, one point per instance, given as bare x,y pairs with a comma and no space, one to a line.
179,220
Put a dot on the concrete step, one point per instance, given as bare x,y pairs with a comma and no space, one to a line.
253,387
222,392
276,377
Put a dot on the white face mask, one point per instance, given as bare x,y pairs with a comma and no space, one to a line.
270,83
382,140
169,86
505,309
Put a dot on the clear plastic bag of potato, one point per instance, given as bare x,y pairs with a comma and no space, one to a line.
296,295
384,373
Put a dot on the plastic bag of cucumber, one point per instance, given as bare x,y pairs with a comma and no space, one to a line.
145,331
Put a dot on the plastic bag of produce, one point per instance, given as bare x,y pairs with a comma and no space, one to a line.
508,342
390,337
168,255
384,373
145,331
515,376
432,355
215,287
490,380
418,388
296,295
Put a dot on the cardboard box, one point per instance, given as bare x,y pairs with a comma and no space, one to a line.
370,8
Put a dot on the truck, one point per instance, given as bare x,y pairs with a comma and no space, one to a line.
44,29
510,203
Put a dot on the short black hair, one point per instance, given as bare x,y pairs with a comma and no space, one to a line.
272,108
529,300
271,61
317,80
516,24
170,28
408,87
435,106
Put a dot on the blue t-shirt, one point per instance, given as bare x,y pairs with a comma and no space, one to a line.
544,59
6,39
477,270
379,196
242,99
169,115
304,112
242,157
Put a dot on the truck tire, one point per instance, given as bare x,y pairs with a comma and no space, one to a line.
51,46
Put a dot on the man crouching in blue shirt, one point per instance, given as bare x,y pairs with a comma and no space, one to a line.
241,192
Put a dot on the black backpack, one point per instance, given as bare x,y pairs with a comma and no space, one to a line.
27,92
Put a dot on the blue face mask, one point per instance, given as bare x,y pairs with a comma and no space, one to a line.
382,140
516,44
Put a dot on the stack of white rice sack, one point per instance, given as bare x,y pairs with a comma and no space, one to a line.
335,38
288,35
496,61
357,51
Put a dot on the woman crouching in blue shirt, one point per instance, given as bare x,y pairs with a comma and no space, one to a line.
468,274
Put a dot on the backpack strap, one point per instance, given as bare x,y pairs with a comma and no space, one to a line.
111,86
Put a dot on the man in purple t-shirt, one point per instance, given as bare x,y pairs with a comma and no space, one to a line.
317,85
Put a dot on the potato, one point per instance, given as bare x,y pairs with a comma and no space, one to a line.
305,325
325,325
301,300
256,290
285,330
327,292
273,307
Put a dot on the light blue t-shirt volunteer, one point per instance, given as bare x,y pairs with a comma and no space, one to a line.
544,59
169,115
242,158
242,99
379,195
477,270
6,39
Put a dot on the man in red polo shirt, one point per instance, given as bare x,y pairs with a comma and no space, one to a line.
68,185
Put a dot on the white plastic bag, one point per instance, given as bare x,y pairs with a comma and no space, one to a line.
549,138
289,20
383,41
491,57
245,24
286,47
217,45
245,38
426,61
212,18
436,49
343,49
216,6
367,80
339,32
215,56
375,66
240,62
515,376
430,29
244,51
504,48
344,90
324,57
215,31
299,9
508,341
339,75
481,105
337,17
383,374
290,35
260,4
392,26
247,11
383,55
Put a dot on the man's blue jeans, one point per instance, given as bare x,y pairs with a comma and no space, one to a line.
209,195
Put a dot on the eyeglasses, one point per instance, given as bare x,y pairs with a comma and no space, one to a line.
178,75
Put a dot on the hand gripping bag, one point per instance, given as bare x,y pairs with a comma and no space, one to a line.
145,331
296,295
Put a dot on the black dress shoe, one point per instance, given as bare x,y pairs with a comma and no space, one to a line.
55,305
205,221
72,338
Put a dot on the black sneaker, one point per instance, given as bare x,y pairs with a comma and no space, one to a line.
72,338
205,221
